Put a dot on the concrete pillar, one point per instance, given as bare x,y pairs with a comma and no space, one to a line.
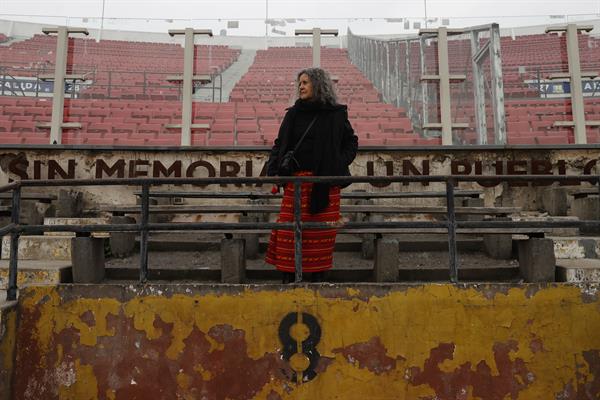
471,202
587,208
368,239
498,246
536,260
554,201
122,243
87,257
69,204
386,260
251,239
233,261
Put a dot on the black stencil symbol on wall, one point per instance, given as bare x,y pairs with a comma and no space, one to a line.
299,334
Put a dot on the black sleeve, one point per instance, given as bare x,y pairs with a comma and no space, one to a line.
349,142
273,162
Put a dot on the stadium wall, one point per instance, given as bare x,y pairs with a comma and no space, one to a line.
63,162
366,341
25,30
8,331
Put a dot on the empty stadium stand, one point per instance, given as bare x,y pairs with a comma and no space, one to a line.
127,99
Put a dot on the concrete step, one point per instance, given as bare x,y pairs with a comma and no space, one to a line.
76,221
578,270
572,247
348,267
551,231
37,272
40,247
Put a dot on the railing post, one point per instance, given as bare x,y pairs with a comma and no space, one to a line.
144,233
452,254
11,294
298,230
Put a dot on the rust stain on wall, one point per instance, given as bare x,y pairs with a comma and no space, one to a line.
370,355
221,342
8,328
479,379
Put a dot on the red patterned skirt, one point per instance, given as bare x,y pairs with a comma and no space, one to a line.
317,244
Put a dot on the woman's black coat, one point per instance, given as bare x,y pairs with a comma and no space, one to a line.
334,150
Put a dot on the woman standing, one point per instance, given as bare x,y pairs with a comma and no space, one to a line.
317,133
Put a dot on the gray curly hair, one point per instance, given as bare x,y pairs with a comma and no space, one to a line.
323,90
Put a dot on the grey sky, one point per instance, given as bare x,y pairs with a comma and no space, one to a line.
151,14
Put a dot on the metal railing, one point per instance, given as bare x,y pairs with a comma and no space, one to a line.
15,229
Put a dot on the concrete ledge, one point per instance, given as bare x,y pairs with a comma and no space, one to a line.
40,248
76,221
579,270
576,247
37,272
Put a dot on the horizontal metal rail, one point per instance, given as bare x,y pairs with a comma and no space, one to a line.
451,225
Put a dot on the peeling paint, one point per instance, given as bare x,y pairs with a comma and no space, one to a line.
431,341
8,327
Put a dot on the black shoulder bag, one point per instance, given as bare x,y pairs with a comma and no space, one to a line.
289,164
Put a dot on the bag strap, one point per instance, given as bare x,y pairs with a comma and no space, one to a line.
304,134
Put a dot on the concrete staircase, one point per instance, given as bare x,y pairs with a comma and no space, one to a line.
577,258
229,77
44,259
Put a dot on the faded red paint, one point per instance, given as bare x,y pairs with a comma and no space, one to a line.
585,390
136,367
536,345
512,378
371,355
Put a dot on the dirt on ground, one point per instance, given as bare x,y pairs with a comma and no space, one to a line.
342,259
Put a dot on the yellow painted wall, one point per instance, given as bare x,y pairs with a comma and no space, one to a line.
8,325
434,341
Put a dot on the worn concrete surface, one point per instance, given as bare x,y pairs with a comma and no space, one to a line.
578,270
36,272
367,341
40,247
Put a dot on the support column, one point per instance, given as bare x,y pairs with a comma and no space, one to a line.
316,44
536,260
188,79
58,96
233,261
576,89
60,74
577,107
497,86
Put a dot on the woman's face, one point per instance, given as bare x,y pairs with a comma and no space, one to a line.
305,87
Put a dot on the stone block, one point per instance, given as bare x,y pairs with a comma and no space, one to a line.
251,239
498,246
39,248
470,202
87,257
32,212
587,208
233,261
578,270
368,239
386,260
555,200
122,243
69,203
536,260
